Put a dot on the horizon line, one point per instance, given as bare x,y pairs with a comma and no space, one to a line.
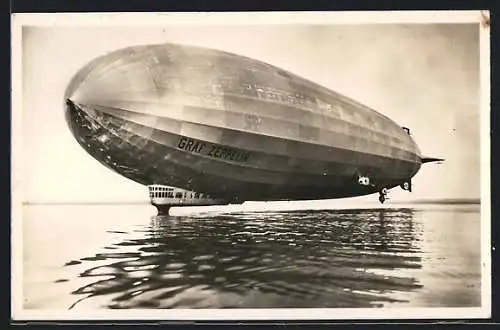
136,202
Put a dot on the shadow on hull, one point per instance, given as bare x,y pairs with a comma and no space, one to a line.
148,162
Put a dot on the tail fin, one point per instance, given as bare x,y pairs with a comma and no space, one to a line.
431,159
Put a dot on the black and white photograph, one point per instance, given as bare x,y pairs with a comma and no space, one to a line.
223,166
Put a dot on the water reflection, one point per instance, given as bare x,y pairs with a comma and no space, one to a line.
350,258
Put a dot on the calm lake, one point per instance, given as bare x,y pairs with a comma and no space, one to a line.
123,256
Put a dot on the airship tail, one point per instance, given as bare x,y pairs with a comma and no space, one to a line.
431,160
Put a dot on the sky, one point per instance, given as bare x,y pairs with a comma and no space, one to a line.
423,76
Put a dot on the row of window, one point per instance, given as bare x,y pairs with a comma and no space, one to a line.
169,193
160,188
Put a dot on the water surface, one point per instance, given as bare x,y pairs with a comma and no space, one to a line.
116,256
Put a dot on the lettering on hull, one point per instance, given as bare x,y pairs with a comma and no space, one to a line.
212,150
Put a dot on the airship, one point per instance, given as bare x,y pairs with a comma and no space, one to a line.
201,126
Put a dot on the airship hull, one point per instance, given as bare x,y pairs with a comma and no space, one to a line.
230,126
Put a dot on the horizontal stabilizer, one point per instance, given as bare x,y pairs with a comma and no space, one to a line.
431,159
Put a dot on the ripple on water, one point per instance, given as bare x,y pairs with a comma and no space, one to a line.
348,258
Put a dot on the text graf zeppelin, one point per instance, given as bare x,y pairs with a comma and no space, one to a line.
212,150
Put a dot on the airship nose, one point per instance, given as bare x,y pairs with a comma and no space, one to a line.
70,113
69,106
77,119
83,124
86,126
